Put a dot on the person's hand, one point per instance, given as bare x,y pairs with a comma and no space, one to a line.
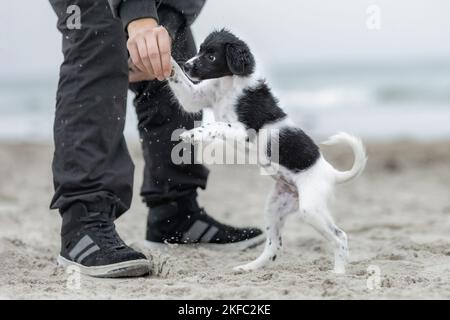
150,47
136,75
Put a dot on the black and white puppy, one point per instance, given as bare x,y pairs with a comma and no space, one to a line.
221,77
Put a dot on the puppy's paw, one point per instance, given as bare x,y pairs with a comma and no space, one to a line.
245,267
188,136
197,136
339,270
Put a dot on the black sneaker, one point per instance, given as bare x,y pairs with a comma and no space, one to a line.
184,222
90,241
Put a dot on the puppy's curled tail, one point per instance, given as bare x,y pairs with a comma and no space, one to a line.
359,153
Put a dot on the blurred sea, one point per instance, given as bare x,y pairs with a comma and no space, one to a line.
379,101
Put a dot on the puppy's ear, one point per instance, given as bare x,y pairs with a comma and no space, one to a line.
239,59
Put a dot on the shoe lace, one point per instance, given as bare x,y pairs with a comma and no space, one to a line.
103,227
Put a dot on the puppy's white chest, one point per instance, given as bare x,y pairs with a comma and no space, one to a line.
224,103
224,111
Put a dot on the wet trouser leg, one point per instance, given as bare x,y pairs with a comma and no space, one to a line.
91,162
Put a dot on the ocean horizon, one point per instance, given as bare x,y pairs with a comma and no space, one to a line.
377,101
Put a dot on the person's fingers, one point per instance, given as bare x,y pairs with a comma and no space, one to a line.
153,53
164,51
143,54
134,54
131,65
135,76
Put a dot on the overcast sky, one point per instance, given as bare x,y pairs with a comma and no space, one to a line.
280,31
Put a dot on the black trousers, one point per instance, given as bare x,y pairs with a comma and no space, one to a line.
91,161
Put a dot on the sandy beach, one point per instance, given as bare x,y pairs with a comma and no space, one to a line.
397,217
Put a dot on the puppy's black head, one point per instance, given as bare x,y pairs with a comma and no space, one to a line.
221,54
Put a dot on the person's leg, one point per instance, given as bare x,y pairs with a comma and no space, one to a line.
92,169
91,162
169,189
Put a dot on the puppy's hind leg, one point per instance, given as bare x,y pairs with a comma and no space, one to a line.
314,211
281,202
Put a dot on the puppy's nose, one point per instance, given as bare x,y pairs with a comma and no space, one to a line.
188,66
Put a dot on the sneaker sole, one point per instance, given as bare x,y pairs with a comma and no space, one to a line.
241,245
133,268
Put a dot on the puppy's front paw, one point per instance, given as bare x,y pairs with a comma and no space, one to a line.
188,136
194,136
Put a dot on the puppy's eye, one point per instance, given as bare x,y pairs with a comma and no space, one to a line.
211,57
